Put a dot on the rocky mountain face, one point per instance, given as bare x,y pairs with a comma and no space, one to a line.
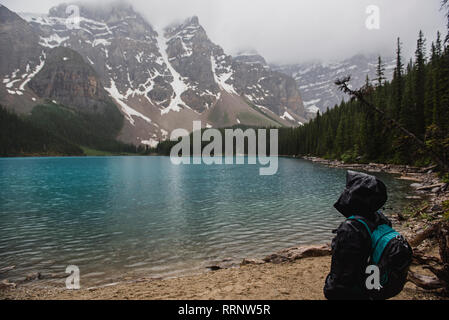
21,58
67,79
18,43
265,87
315,81
159,79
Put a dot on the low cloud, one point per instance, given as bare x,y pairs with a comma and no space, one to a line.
292,31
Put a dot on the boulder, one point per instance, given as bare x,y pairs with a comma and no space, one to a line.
33,276
214,267
223,264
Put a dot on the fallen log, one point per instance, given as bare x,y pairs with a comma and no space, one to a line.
421,211
438,185
424,170
5,284
441,279
441,274
423,235
296,253
422,259
425,282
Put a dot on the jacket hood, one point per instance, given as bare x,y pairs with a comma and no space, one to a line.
363,196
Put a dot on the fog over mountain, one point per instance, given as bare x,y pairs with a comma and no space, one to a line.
287,31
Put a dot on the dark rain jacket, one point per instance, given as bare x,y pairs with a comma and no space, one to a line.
363,196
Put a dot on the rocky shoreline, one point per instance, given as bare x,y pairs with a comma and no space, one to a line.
425,181
427,188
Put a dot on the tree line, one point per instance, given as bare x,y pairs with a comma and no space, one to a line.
53,130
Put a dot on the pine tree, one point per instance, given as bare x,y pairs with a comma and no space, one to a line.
431,103
380,72
420,85
398,81
436,83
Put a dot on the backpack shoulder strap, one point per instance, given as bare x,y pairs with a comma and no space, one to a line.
380,237
359,219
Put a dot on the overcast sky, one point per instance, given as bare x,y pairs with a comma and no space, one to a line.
291,31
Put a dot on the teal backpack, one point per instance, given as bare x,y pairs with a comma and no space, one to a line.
392,254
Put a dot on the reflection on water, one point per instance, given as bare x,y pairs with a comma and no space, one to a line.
142,215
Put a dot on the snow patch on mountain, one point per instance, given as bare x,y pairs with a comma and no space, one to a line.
143,89
286,116
151,142
52,41
178,85
119,98
13,79
223,77
103,42
311,106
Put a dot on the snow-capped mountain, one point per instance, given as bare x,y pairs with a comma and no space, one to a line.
159,79
316,80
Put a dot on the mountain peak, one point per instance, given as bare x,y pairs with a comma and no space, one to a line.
7,15
194,20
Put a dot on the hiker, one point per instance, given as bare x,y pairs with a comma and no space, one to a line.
365,238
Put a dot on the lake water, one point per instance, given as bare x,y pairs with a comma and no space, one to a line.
116,216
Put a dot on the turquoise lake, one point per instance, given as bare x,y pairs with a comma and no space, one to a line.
142,216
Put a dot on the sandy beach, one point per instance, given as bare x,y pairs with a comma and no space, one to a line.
299,280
